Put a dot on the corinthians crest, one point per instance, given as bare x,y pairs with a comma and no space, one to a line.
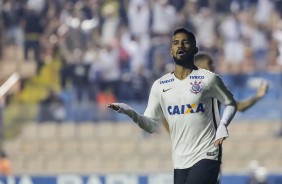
196,87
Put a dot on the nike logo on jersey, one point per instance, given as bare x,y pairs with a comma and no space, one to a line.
165,90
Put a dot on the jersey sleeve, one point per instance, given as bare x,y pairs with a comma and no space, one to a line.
220,91
153,109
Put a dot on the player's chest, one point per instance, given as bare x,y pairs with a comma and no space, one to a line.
189,91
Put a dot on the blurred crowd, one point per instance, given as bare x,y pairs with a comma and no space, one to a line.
115,49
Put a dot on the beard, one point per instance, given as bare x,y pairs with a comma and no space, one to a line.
186,60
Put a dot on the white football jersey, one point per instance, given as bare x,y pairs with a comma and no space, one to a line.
189,107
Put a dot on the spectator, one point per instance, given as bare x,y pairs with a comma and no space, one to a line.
139,17
164,17
263,11
2,106
33,31
51,108
108,62
5,164
137,48
231,30
111,21
94,73
12,13
258,174
79,76
1,40
277,35
205,24
139,82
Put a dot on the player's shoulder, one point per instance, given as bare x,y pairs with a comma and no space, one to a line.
166,79
205,74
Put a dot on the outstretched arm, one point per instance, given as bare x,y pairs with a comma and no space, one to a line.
144,122
245,104
151,118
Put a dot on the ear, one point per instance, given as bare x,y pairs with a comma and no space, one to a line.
171,53
195,50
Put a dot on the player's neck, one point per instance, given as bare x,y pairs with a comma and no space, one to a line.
181,72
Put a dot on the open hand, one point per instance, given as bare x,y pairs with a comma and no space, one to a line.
221,135
114,107
262,90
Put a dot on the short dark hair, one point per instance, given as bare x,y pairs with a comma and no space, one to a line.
190,34
202,56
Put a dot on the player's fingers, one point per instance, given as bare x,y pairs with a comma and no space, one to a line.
221,141
218,142
114,107
264,88
264,85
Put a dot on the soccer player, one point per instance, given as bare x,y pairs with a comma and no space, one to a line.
204,60
185,98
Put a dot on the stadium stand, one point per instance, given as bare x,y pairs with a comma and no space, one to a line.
121,147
